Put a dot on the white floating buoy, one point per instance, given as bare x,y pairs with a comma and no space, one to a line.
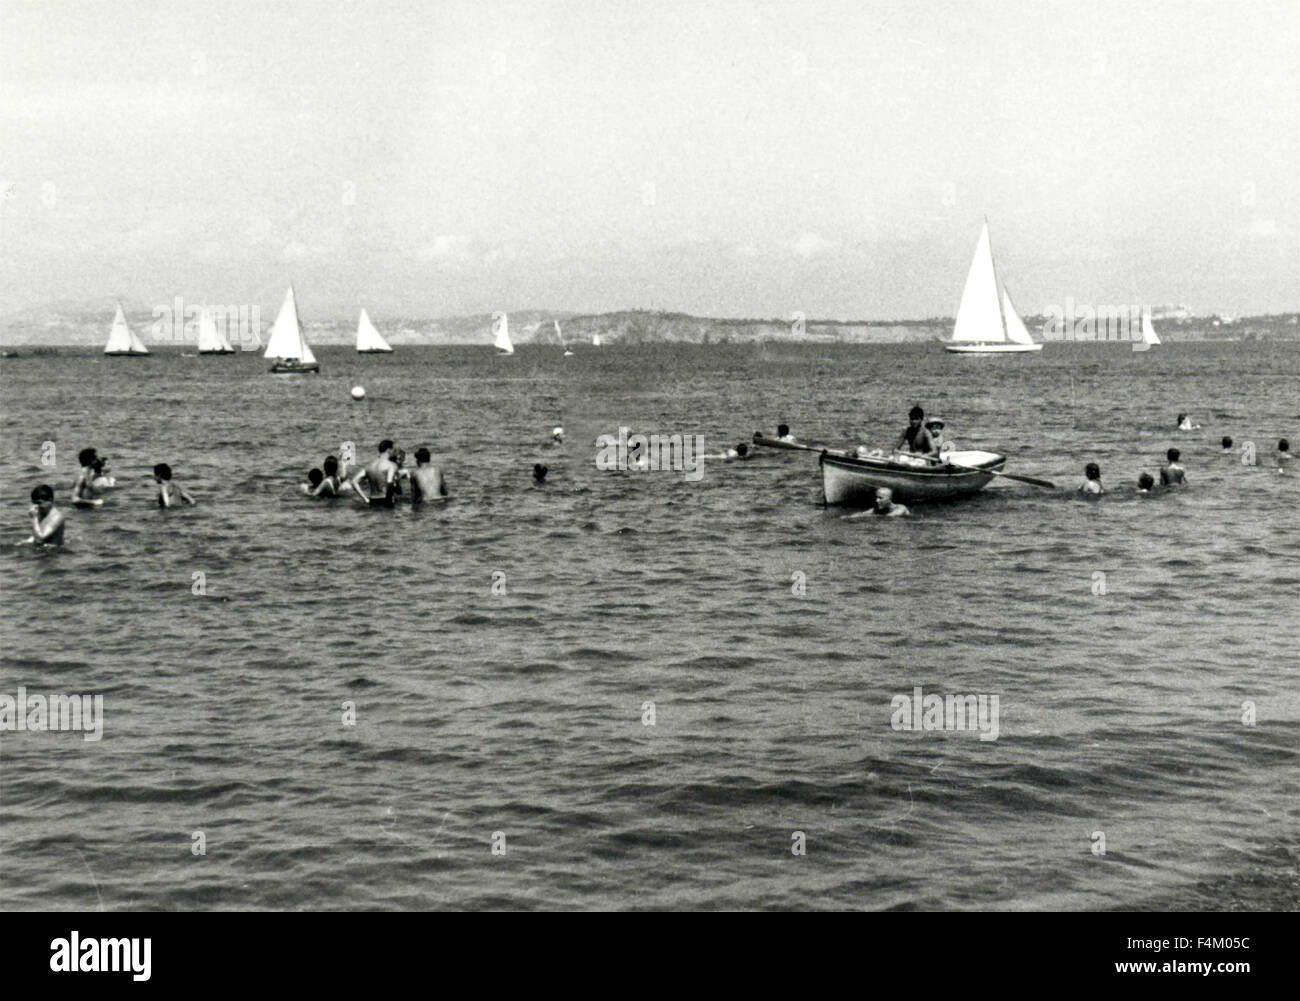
358,393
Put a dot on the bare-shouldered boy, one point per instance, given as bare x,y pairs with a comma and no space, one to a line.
47,520
426,479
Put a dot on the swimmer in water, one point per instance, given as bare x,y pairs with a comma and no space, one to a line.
740,452
884,507
1091,484
557,436
1145,483
783,433
380,477
314,479
1284,457
1173,474
169,491
47,520
103,480
330,484
426,479
83,490
1226,442
539,473
1185,423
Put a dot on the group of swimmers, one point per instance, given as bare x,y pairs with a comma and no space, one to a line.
93,479
380,483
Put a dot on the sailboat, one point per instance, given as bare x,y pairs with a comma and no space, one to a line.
122,340
1148,333
501,326
287,347
567,352
987,323
595,340
211,340
369,340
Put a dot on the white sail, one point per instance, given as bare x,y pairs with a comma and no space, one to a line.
1016,331
979,317
211,340
368,338
1148,332
501,327
287,341
122,339
595,340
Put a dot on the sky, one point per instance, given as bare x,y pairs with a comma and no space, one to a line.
724,158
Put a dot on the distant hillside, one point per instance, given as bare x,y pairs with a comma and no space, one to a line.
87,326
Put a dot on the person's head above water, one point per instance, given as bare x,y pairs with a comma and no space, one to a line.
162,471
916,415
557,433
1283,445
742,450
99,464
87,456
44,494
1092,471
331,466
421,456
539,472
314,477
1173,454
1181,418
399,456
1146,482
782,430
385,446
1226,442
884,498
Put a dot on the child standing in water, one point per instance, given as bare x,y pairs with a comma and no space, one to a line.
47,520
168,491
83,490
1284,457
1091,484
1173,474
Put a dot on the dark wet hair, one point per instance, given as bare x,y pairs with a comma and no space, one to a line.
421,455
1146,482
1092,471
782,430
314,477
1283,445
162,471
742,449
331,466
539,472
1181,418
86,456
915,414
385,445
1173,454
44,492
1226,442
98,464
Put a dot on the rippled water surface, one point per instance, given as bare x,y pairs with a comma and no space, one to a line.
522,713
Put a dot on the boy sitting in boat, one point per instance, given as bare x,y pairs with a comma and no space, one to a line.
915,436
427,482
168,492
1091,484
47,520
1173,474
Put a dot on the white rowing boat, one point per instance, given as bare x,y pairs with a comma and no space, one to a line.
850,481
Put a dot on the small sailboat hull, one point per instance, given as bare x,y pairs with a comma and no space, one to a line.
853,482
126,354
990,349
287,366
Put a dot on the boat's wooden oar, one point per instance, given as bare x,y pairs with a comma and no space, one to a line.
759,439
996,472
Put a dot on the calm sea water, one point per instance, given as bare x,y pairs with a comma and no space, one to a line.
522,713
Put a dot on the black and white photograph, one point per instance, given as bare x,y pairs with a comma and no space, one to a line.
585,456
